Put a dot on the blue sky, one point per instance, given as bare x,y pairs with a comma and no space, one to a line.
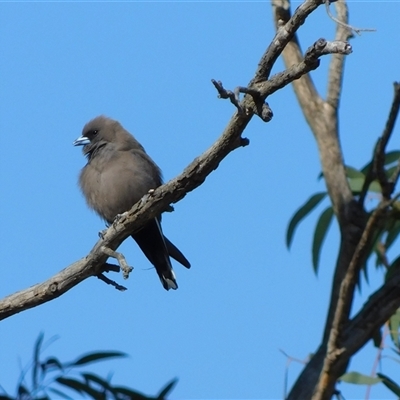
149,65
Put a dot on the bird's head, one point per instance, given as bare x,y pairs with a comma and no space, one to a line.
102,131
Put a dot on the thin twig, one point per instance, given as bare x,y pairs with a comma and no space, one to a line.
227,94
350,27
336,65
379,160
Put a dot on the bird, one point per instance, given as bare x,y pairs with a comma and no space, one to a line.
117,175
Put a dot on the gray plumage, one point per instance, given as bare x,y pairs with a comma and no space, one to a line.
117,175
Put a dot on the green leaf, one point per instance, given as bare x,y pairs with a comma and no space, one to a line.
390,157
93,357
36,361
81,387
359,379
390,171
131,393
391,385
394,324
356,181
301,213
356,185
375,187
393,268
353,173
59,394
319,236
97,379
52,363
167,388
377,338
23,391
393,232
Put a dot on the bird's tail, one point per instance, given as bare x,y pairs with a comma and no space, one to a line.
151,241
176,254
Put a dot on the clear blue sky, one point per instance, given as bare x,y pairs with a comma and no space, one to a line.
149,65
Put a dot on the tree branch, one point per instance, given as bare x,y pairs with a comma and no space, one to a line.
336,349
322,116
336,66
323,121
376,169
148,207
284,34
192,177
379,159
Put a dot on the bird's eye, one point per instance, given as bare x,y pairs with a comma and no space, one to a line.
95,132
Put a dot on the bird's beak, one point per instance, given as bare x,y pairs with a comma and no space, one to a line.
81,141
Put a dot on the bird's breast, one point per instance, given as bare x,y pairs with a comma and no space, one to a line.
114,187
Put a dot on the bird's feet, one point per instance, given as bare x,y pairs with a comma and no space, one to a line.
125,268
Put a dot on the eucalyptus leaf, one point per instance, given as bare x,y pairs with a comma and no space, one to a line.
301,213
390,384
320,232
359,379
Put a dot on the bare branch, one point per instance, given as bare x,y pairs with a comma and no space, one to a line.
343,24
377,169
323,121
299,70
262,89
304,88
284,35
336,66
379,160
227,94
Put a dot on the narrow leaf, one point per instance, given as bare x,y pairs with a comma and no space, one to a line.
71,383
391,385
167,388
59,394
389,172
93,357
359,379
390,157
353,173
356,185
392,235
393,269
97,379
22,390
377,338
394,324
301,213
36,362
319,236
51,364
133,395
81,387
